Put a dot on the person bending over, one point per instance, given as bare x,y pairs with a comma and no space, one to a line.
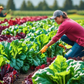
70,32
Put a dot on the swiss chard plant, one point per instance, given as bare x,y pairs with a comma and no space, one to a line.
41,40
3,61
54,74
77,71
18,53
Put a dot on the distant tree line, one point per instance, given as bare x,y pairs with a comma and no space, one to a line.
67,5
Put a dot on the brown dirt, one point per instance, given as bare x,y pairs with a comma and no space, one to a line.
21,78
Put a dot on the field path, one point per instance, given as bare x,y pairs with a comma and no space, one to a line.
21,78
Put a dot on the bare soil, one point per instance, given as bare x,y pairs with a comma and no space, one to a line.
22,77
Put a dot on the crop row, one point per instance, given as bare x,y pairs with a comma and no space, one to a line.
23,53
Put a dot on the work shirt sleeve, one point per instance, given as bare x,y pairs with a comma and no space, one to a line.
2,15
61,31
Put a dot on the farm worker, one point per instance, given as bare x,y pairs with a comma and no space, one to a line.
1,14
70,32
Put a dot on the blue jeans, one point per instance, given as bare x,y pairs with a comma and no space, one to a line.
76,49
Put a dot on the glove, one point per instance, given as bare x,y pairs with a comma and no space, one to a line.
5,14
62,46
43,49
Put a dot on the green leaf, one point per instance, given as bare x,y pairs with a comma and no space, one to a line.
22,57
54,74
68,46
25,68
59,64
18,48
6,49
51,34
13,62
16,63
59,67
42,40
35,62
3,60
42,77
77,71
19,63
1,82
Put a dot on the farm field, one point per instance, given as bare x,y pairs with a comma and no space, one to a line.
76,17
21,38
72,16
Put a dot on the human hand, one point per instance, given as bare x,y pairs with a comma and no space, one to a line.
5,14
44,49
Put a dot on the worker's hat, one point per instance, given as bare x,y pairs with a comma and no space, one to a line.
1,7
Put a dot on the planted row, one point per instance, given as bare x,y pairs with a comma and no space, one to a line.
24,53
23,20
60,71
30,27
10,38
7,23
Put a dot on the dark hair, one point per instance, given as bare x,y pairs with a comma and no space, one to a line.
65,15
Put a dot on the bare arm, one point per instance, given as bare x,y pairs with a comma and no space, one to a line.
50,43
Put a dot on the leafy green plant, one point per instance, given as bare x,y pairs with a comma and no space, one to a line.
41,40
3,61
18,48
18,53
54,74
77,71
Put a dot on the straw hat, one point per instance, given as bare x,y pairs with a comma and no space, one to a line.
1,7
